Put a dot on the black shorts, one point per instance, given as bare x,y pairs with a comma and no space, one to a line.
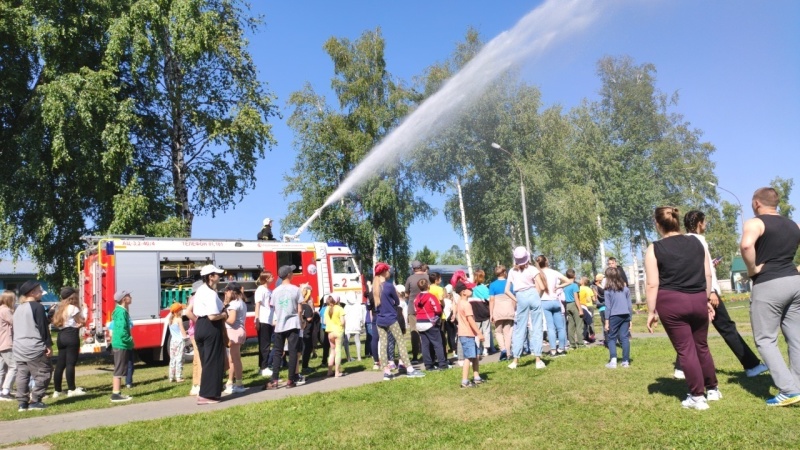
121,358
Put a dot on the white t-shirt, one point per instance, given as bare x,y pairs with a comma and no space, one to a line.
241,312
522,281
72,311
553,280
714,283
265,310
206,302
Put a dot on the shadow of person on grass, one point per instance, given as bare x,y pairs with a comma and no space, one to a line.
758,386
668,386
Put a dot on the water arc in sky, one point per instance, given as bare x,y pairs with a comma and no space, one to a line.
553,21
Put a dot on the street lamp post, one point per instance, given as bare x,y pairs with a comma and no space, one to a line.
741,208
521,193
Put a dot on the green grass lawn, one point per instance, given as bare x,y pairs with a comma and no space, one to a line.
574,403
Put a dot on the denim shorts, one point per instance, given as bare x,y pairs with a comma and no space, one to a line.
468,346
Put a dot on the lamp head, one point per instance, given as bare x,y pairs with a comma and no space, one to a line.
495,145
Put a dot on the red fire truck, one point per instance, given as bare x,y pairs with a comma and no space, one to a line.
160,271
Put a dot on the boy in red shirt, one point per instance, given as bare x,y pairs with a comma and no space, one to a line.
467,332
429,312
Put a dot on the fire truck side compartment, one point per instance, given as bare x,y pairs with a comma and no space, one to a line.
138,272
239,260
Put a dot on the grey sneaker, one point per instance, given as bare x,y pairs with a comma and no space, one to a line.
611,365
6,398
416,374
116,398
37,405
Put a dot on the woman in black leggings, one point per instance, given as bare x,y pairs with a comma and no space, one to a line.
68,319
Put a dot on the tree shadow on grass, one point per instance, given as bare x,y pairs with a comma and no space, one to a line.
758,386
668,386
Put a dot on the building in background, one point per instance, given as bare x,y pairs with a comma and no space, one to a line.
13,274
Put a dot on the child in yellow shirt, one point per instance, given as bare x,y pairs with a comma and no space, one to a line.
586,297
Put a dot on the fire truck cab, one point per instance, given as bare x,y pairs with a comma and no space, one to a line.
160,271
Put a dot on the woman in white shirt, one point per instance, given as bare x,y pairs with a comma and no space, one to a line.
209,313
264,327
68,319
528,284
551,306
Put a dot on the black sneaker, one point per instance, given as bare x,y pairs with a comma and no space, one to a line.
6,398
23,407
467,385
117,398
37,405
300,380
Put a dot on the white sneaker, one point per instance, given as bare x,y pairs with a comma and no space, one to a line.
713,395
195,390
757,370
485,352
228,389
513,365
698,403
678,375
460,363
56,394
266,372
76,393
540,364
611,365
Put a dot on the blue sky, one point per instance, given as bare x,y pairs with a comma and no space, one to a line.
735,65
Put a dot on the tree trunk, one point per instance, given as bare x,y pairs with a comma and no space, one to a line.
375,248
602,244
173,81
637,287
464,229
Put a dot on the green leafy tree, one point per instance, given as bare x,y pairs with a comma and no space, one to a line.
454,256
64,144
374,218
199,115
722,236
784,189
656,158
426,256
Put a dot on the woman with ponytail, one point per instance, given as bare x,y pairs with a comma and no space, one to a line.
678,290
551,307
695,224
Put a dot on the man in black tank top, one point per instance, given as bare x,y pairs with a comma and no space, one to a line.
769,243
